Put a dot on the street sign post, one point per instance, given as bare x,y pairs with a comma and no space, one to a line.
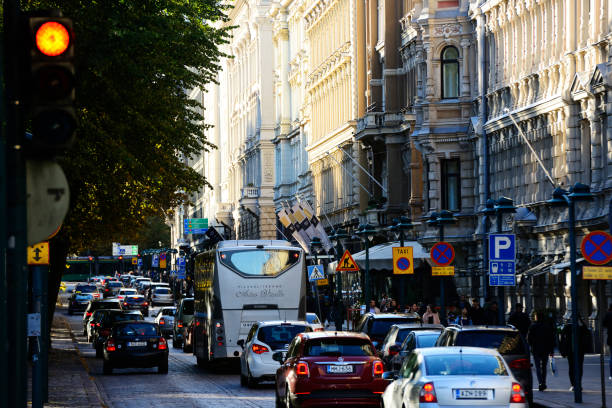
596,248
155,261
129,250
347,263
502,260
195,225
403,262
442,254
316,272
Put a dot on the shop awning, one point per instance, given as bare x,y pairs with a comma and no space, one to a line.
555,269
381,256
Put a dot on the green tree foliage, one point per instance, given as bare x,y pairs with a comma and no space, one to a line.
153,234
136,63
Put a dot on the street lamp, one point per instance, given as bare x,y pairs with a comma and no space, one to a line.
440,220
315,247
366,232
561,197
503,205
336,237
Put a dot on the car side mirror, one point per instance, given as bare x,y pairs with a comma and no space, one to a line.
390,375
278,356
241,343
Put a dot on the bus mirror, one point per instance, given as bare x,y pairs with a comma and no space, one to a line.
241,343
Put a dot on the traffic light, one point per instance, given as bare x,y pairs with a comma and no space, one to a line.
90,258
49,89
121,257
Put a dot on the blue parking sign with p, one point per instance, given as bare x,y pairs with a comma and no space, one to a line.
502,247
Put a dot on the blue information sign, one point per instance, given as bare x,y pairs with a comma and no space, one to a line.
502,260
181,268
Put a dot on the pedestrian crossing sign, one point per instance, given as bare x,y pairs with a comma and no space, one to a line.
347,263
315,272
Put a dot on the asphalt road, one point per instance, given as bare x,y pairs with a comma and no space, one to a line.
185,385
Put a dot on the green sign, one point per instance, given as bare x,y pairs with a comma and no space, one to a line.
195,225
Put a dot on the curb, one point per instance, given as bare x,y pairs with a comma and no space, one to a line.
99,393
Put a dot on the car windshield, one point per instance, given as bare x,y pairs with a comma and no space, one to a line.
162,291
464,364
136,329
86,289
336,347
279,337
506,342
380,327
188,307
427,340
259,262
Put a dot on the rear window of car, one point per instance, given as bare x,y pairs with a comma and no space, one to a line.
127,291
427,340
114,284
505,342
135,299
105,305
168,312
279,337
86,289
136,329
188,307
380,327
120,317
402,334
464,364
162,291
336,347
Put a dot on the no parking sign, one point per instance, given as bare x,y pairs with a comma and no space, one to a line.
403,263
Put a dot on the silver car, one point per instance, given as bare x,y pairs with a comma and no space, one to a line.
265,338
454,376
165,319
162,296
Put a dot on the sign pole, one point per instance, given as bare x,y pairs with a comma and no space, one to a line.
574,296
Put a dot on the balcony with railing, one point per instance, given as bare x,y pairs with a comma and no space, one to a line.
250,192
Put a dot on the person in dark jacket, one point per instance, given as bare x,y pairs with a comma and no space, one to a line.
520,319
491,314
565,347
607,323
541,339
339,314
476,313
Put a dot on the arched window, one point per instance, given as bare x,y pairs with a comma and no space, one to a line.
450,73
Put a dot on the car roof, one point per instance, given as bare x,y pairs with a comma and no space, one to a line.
482,328
392,316
282,322
331,334
418,325
426,332
436,351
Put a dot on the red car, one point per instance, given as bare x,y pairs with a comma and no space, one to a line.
329,368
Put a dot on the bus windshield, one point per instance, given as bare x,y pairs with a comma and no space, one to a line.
259,262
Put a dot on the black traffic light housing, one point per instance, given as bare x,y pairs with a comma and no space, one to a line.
49,85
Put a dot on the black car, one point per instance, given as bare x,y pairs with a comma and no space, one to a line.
377,325
111,288
395,337
135,344
415,339
505,339
105,322
136,302
78,302
95,305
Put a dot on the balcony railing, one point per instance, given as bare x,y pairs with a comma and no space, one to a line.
250,192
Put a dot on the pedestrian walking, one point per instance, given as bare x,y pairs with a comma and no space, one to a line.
464,319
607,323
477,313
520,319
565,347
431,316
541,339
372,307
491,316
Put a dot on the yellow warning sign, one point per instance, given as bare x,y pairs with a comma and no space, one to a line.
38,254
597,272
347,263
403,264
322,282
442,271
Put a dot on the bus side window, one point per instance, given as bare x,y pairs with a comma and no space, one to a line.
251,333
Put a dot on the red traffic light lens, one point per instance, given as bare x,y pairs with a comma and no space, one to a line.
52,39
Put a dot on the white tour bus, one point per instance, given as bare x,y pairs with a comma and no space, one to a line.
238,283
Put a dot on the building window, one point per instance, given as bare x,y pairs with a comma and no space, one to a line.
451,185
450,73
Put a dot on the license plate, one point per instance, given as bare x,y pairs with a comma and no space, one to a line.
137,343
339,369
472,394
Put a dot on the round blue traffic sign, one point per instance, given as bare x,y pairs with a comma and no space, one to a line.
597,248
442,253
403,263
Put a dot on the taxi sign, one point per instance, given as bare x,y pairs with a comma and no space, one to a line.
442,271
38,254
347,263
403,262
597,272
134,261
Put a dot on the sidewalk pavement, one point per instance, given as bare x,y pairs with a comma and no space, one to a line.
558,394
70,385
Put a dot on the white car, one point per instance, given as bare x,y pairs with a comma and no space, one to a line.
314,321
265,338
165,319
454,376
126,292
162,296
